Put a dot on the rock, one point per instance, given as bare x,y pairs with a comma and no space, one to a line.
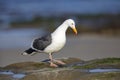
25,66
107,63
55,74
75,69
72,60
102,76
5,77
70,74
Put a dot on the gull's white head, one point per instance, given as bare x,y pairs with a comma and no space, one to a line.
71,24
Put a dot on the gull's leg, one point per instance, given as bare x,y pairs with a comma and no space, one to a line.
59,62
51,61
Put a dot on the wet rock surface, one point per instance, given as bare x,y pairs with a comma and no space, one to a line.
5,77
75,69
101,76
56,74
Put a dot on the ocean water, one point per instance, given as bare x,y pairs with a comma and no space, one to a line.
41,7
11,10
14,10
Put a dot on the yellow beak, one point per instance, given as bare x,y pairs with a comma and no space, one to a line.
75,30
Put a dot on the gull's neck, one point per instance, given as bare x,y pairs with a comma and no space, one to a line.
61,30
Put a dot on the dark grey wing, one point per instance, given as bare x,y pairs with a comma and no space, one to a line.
42,43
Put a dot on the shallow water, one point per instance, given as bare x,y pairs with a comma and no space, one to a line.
7,72
103,70
16,38
18,76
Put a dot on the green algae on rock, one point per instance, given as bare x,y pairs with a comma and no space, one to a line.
102,76
100,63
75,69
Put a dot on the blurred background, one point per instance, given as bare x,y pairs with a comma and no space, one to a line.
97,22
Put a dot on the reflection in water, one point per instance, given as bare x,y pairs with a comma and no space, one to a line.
18,76
103,70
7,73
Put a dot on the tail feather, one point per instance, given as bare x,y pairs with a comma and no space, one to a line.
29,51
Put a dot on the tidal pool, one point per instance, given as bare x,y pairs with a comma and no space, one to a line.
104,70
18,76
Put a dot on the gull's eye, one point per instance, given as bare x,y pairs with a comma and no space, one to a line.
72,23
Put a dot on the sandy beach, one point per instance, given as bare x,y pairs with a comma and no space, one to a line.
85,47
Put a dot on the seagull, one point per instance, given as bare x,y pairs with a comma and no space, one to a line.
53,42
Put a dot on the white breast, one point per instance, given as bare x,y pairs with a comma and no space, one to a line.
58,43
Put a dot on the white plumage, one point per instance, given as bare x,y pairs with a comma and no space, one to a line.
52,43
